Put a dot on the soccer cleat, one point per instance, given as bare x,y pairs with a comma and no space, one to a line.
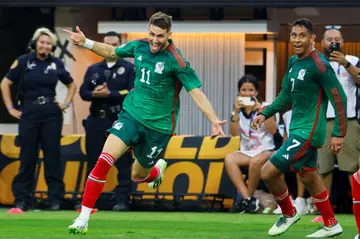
357,236
158,180
300,204
324,232
277,211
239,207
79,226
253,205
283,224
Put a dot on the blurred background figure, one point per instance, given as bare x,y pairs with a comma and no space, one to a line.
347,69
40,116
256,146
106,85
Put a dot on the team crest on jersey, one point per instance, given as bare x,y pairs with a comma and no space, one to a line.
118,125
159,67
301,74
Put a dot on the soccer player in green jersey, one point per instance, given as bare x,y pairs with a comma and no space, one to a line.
150,110
308,85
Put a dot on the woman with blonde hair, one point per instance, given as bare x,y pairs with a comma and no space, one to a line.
40,116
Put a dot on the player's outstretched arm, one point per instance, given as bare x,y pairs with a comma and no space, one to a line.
78,38
205,106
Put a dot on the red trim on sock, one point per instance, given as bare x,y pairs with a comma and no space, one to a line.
284,202
96,180
323,205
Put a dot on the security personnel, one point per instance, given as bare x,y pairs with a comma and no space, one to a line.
106,85
40,117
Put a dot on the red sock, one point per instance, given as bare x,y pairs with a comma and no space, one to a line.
155,171
283,200
323,205
356,198
96,180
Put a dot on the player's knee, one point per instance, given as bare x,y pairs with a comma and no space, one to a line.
265,175
136,176
307,178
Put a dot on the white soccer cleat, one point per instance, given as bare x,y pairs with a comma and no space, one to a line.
324,232
283,224
277,211
357,236
300,204
79,226
162,164
310,207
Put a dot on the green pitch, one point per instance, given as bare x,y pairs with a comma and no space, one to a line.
45,224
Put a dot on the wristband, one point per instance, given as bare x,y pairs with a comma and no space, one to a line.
10,108
88,44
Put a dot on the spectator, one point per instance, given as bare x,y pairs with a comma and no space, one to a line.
256,147
346,68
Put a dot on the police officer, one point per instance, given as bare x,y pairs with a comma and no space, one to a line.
106,85
40,117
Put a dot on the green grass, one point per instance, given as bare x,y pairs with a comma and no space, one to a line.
151,225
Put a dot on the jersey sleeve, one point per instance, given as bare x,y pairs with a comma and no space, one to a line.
337,97
282,101
126,50
184,72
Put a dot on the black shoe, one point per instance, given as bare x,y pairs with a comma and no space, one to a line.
252,205
239,207
121,207
22,206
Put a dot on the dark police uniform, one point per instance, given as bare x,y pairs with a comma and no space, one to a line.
103,112
40,124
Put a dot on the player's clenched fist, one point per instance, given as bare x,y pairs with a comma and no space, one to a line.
78,38
256,123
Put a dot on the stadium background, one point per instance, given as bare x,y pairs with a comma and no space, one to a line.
257,44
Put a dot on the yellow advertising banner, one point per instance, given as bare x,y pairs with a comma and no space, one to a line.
195,165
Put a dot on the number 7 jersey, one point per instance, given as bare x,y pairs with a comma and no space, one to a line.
308,85
159,78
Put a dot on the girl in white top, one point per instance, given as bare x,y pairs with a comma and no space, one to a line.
256,146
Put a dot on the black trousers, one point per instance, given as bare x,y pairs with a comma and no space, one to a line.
40,125
95,128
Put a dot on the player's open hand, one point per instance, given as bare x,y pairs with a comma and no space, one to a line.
78,38
336,144
217,129
256,123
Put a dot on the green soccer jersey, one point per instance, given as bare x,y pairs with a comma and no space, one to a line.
154,101
308,85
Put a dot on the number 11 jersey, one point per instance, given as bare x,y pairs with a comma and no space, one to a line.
159,78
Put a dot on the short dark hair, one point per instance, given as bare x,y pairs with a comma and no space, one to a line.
249,78
113,34
161,20
305,23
